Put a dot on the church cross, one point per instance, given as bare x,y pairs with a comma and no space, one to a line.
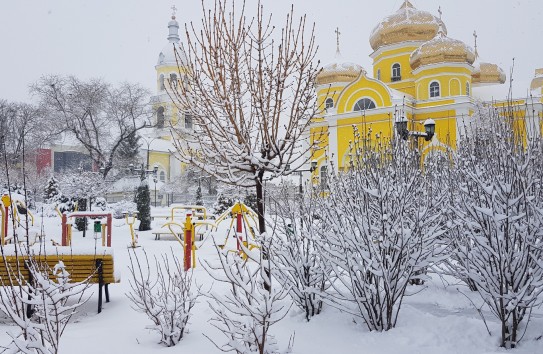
174,10
337,37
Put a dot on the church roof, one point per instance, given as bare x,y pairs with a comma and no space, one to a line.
442,49
338,71
406,24
167,55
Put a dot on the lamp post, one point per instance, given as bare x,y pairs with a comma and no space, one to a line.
312,168
155,169
428,134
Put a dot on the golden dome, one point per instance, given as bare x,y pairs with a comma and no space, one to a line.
406,24
442,49
537,82
338,72
487,74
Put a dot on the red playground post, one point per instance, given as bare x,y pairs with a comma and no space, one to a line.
239,230
188,242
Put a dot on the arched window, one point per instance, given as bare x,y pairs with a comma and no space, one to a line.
173,81
434,89
363,104
329,103
396,72
161,82
378,74
160,117
324,177
162,176
467,88
188,121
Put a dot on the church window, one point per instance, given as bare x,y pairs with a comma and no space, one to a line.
378,74
161,82
160,117
329,103
363,104
162,176
324,177
434,89
173,81
396,72
467,88
188,121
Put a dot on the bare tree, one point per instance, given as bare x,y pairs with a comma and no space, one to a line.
164,295
247,311
53,301
99,116
381,225
295,255
499,218
250,94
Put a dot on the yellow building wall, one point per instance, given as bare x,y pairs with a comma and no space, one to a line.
328,91
373,129
162,159
452,81
364,87
387,58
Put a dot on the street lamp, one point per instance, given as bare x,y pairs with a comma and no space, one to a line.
312,168
428,134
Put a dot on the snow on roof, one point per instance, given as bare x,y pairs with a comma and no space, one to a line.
408,23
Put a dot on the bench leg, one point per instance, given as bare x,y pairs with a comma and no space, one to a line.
100,283
107,292
29,307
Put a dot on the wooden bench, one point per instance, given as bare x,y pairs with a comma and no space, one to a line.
98,269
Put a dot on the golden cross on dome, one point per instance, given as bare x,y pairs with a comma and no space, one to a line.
174,10
337,37
475,37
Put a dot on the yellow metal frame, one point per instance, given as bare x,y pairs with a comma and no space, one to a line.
130,222
192,208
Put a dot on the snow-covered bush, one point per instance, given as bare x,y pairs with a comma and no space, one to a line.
223,203
118,209
381,224
163,294
41,308
499,211
247,311
294,254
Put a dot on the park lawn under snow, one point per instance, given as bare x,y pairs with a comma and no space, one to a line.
438,319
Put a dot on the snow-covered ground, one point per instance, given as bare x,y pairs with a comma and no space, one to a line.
439,319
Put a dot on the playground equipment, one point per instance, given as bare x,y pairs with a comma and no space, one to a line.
186,231
243,216
15,205
67,226
130,218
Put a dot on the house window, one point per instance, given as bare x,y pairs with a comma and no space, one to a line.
434,89
363,104
324,177
160,117
188,121
329,103
396,72
467,88
162,176
161,82
173,81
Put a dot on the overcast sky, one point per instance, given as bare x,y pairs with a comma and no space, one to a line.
119,40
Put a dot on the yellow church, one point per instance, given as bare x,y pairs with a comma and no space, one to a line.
420,87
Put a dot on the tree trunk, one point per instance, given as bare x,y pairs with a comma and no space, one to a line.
262,228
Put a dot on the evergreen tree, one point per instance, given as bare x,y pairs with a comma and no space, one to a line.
199,200
143,202
223,203
81,223
51,192
129,150
250,201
